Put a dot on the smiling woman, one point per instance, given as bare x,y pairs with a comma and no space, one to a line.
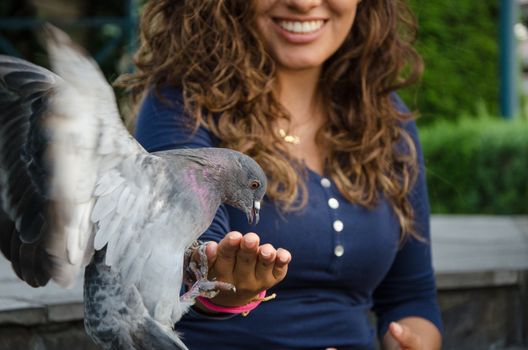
307,88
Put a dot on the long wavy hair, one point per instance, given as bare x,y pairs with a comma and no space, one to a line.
213,53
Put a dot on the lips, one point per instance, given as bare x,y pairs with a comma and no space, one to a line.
299,31
301,27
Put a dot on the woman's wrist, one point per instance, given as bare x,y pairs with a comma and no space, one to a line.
201,309
233,299
210,308
223,301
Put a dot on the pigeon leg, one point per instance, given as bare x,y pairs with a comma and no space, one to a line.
203,287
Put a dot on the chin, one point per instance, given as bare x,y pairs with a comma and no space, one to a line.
299,59
300,64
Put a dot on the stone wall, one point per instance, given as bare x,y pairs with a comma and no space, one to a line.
50,336
484,318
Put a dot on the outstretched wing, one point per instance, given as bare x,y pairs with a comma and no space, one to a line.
67,163
22,174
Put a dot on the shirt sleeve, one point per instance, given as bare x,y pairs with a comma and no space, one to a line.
409,288
162,125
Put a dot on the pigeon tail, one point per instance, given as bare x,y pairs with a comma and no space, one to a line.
115,316
153,336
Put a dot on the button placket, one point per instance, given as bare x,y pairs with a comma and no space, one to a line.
337,225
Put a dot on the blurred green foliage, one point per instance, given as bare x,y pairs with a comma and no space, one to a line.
459,43
477,165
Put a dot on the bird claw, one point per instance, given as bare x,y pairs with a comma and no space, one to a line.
197,276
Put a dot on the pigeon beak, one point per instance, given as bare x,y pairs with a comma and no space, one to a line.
256,211
253,215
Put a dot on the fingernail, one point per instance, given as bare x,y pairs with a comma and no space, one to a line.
251,242
397,328
283,259
232,239
265,253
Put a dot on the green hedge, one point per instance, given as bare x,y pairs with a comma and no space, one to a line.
477,166
459,43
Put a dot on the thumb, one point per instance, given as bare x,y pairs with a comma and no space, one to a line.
404,336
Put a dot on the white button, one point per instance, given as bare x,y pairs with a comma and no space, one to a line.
325,182
333,203
338,226
339,250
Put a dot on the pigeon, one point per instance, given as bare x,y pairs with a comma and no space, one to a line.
79,191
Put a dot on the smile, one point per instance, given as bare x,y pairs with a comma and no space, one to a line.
301,27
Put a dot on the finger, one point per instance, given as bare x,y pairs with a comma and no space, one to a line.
265,263
247,256
226,252
211,252
280,267
404,336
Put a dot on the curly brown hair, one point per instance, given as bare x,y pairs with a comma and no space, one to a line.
212,52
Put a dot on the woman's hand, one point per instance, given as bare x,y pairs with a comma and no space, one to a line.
412,333
400,337
249,266
405,337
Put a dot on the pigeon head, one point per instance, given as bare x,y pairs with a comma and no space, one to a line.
246,187
233,177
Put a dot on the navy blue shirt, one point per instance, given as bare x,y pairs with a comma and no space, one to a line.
345,258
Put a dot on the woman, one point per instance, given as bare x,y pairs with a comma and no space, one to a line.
305,87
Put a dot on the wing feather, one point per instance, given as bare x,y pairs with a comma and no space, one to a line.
108,183
105,205
105,232
123,200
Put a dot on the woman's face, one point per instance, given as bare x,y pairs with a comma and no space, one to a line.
301,34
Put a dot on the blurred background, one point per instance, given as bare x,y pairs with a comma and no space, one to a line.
473,119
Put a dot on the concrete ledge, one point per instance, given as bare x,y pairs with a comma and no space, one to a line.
479,251
23,305
477,279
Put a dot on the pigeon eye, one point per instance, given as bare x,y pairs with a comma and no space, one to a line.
254,184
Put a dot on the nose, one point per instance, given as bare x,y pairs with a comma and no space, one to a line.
303,5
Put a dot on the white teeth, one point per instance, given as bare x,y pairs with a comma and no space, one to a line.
301,27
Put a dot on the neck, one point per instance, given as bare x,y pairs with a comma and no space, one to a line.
298,93
204,182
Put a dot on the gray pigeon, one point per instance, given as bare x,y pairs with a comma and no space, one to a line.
79,191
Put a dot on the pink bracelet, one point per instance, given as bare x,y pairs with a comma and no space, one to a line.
244,309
